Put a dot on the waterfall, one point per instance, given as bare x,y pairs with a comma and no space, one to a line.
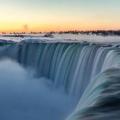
84,71
101,98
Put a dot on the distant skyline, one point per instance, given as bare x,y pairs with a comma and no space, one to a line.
59,15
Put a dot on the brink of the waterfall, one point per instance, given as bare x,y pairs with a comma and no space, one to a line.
59,81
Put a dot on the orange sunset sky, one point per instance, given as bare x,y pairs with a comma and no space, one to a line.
58,15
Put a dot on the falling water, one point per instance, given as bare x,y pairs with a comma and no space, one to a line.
84,71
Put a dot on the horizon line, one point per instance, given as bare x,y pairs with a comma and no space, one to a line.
54,31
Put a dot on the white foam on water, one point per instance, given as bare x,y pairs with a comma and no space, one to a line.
22,97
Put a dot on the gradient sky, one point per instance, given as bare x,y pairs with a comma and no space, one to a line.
56,15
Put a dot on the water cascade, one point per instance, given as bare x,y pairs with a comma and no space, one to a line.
90,73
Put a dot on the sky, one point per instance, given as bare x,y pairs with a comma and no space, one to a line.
59,15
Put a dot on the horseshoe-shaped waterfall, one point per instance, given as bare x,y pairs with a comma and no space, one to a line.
60,81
